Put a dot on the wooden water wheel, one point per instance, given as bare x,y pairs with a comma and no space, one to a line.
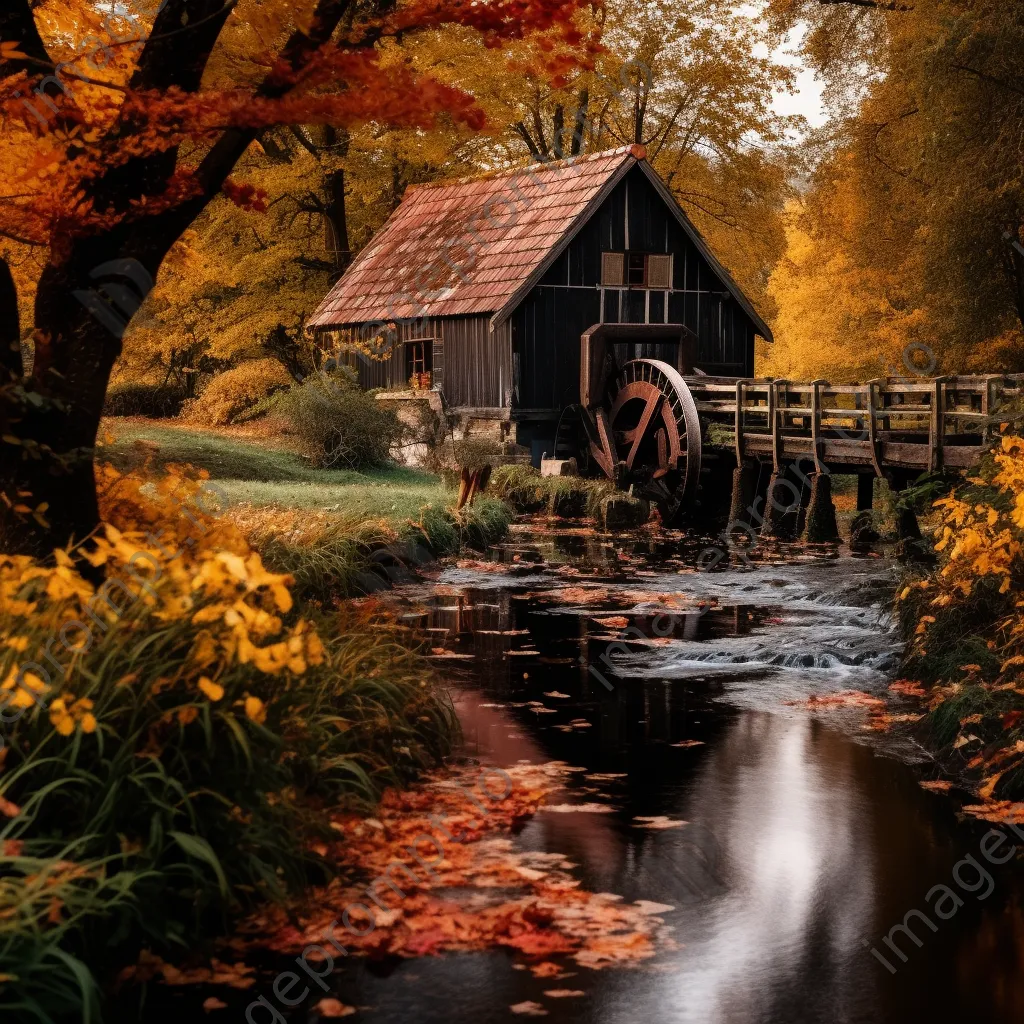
646,434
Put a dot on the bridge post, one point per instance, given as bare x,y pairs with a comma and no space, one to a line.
743,507
822,527
783,506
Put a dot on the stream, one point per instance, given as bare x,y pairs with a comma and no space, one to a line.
807,838
797,836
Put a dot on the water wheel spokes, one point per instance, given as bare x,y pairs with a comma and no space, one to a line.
656,432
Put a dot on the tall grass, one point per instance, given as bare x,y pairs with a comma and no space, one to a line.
570,497
174,771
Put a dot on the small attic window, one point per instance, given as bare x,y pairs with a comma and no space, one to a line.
636,270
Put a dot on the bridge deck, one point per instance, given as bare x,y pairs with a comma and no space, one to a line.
885,424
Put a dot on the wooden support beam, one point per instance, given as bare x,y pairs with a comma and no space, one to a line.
816,423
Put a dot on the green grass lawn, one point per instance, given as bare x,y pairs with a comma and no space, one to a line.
258,473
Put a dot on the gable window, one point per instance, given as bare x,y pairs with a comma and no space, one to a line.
636,270
419,363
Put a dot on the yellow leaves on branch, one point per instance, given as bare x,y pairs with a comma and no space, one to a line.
979,540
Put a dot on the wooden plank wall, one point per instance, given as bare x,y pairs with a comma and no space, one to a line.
569,299
472,364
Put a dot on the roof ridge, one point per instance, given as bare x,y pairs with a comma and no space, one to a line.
634,149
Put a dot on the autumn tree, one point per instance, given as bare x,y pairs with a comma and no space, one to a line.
919,189
128,151
690,83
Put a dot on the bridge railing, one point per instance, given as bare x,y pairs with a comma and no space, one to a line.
879,418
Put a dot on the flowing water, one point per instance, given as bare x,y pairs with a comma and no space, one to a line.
808,836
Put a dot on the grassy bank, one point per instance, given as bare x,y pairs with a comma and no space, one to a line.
965,629
327,527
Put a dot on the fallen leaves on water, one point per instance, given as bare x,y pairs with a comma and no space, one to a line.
555,693
841,699
334,1008
936,785
529,1008
213,1003
579,595
478,566
481,891
882,722
8,809
688,743
549,969
997,811
908,688
658,821
613,621
563,993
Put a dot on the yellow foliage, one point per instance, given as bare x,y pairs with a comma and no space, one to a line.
166,561
236,390
977,541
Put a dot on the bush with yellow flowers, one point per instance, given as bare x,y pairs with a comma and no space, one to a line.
171,719
965,621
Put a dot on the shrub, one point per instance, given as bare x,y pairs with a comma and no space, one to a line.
341,425
234,392
173,770
155,401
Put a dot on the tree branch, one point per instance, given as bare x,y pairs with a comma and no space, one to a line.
989,78
878,5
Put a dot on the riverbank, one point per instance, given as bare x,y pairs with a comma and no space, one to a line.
339,533
964,630
177,734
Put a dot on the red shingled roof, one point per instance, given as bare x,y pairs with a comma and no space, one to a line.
467,246
476,245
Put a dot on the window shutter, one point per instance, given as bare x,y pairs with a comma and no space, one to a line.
659,271
613,268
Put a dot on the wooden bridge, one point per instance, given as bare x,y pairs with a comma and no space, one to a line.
649,419
890,425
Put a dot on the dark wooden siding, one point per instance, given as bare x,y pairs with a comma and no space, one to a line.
472,364
546,327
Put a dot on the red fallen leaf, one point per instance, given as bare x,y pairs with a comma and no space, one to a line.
580,595
546,969
333,1008
213,1003
842,699
688,743
937,785
563,993
530,1008
1011,718
614,622
538,943
997,811
426,943
8,809
908,688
